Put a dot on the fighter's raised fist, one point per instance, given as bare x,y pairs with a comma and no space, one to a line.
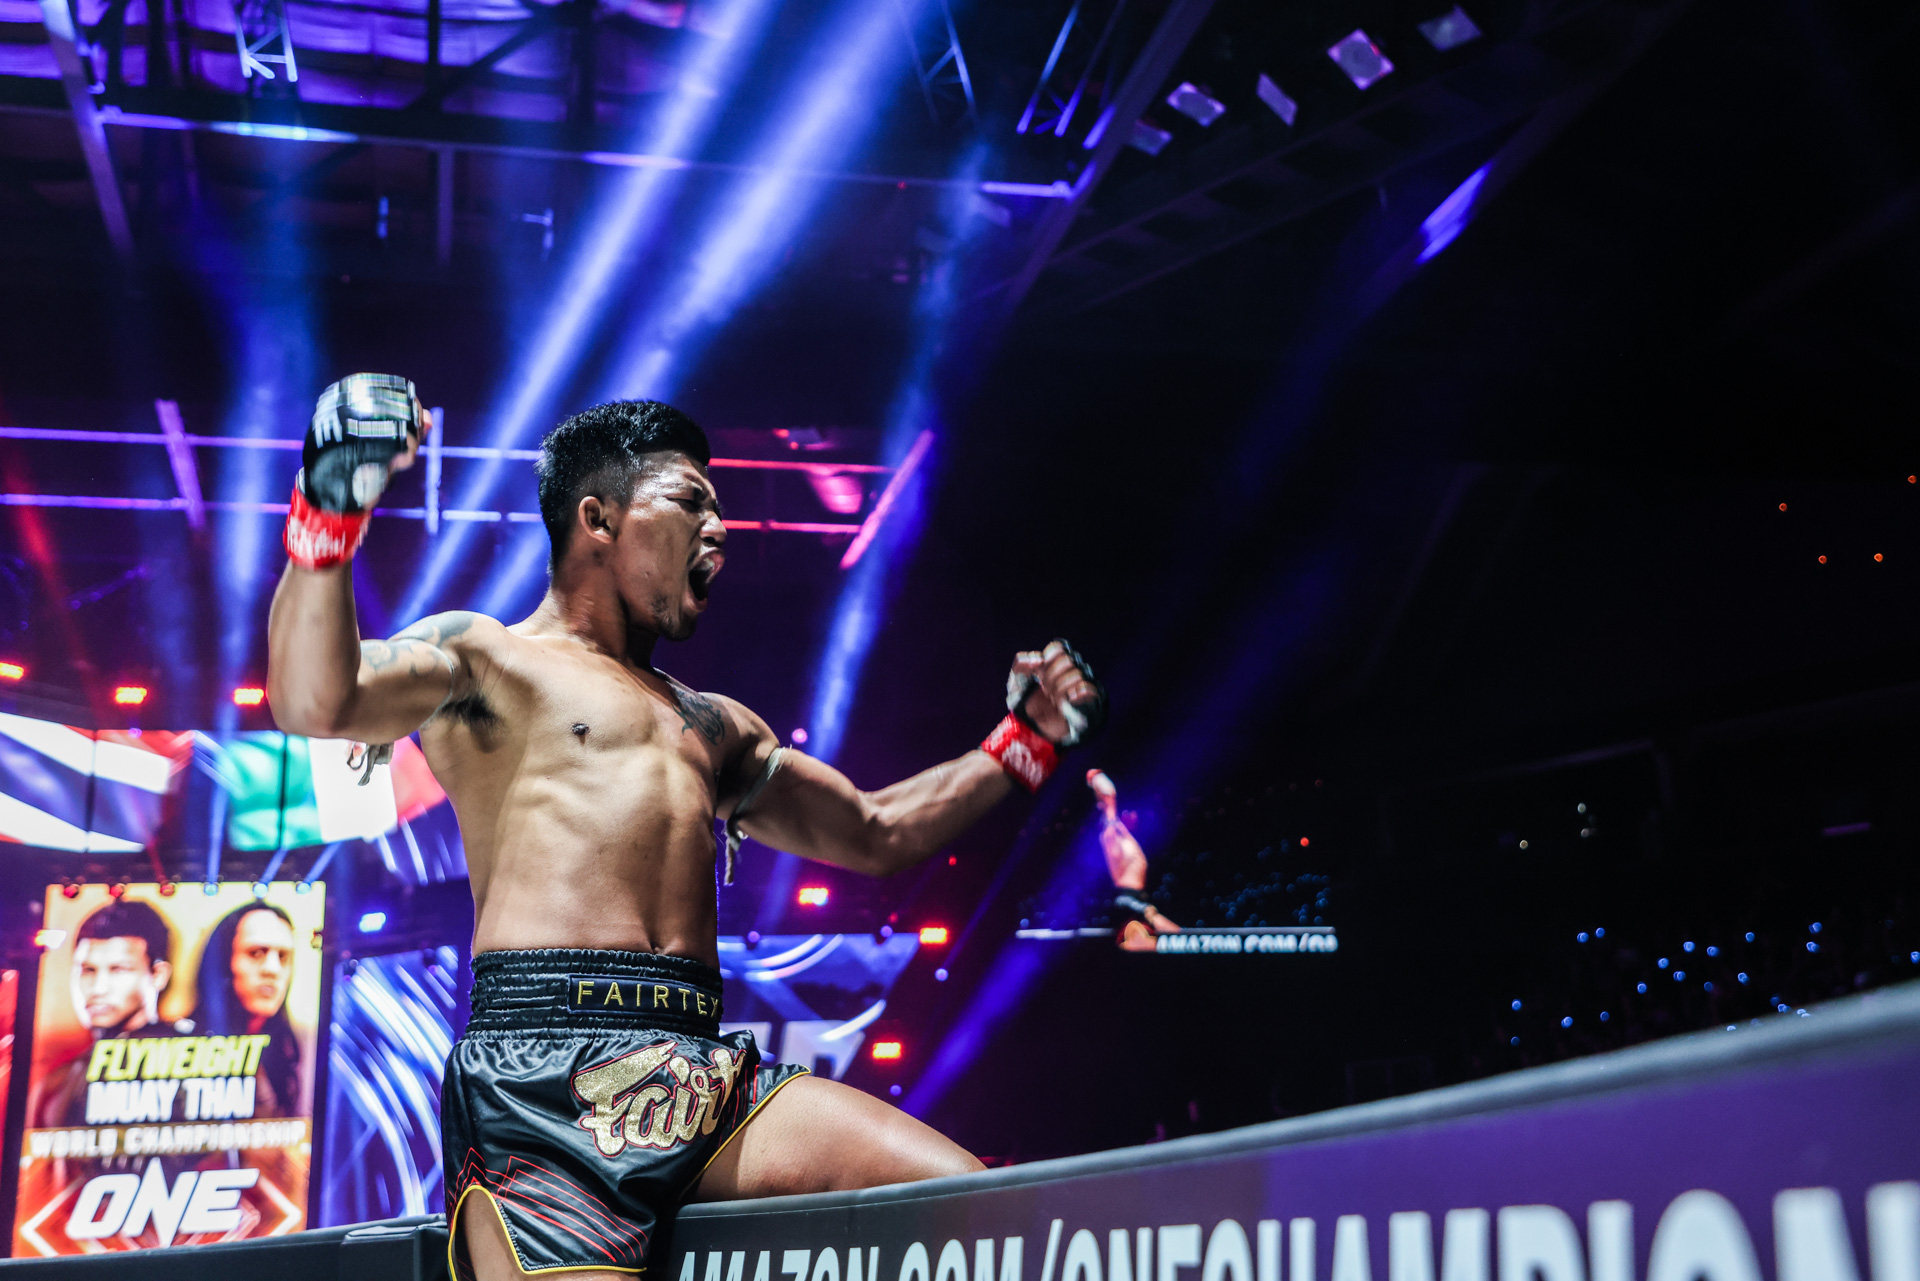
1054,691
364,428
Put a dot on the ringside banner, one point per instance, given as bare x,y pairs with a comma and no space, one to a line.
1670,1163
170,1094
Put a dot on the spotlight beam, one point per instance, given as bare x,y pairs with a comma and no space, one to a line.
871,526
589,283
77,79
827,114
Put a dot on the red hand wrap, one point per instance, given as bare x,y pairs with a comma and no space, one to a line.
317,539
1022,752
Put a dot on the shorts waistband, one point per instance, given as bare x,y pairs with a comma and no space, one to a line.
568,988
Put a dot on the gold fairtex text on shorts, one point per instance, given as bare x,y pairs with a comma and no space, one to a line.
655,1097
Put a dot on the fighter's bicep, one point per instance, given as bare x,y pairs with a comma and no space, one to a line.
811,809
404,681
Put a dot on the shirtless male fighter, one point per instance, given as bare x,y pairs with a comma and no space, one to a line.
1127,865
593,1089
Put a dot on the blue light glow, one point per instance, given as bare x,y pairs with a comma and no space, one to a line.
269,323
831,113
626,218
372,922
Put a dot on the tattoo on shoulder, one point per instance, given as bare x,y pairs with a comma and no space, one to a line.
441,628
699,713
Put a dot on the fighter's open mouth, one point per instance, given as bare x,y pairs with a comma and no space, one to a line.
700,579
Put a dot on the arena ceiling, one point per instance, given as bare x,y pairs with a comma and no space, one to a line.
1690,254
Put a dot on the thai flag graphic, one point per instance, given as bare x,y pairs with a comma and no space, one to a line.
73,789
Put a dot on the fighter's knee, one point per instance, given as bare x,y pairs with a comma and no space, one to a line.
924,1153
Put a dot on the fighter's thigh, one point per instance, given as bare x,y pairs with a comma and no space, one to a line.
492,1255
817,1135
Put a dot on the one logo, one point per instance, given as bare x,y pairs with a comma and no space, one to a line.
195,1202
655,1097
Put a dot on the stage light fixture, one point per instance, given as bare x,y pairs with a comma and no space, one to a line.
249,696
129,695
70,890
887,1051
813,896
167,889
372,922
47,940
259,889
933,936
1358,56
1450,30
12,672
1196,104
117,890
1148,137
210,889
1276,99
1450,217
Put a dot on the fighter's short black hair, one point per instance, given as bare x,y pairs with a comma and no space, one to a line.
130,918
600,451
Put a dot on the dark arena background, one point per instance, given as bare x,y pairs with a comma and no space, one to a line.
1475,447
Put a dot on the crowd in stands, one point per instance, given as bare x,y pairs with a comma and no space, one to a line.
1614,987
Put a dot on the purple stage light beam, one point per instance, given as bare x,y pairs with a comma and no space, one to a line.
279,363
735,254
870,527
830,115
627,219
892,528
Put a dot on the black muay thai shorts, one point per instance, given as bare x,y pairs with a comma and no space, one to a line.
587,1095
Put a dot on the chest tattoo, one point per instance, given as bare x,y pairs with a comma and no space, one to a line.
698,713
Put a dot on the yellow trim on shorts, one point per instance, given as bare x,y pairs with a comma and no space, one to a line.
695,1182
453,1235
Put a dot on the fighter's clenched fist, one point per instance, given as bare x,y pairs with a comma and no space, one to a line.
1053,701
364,428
